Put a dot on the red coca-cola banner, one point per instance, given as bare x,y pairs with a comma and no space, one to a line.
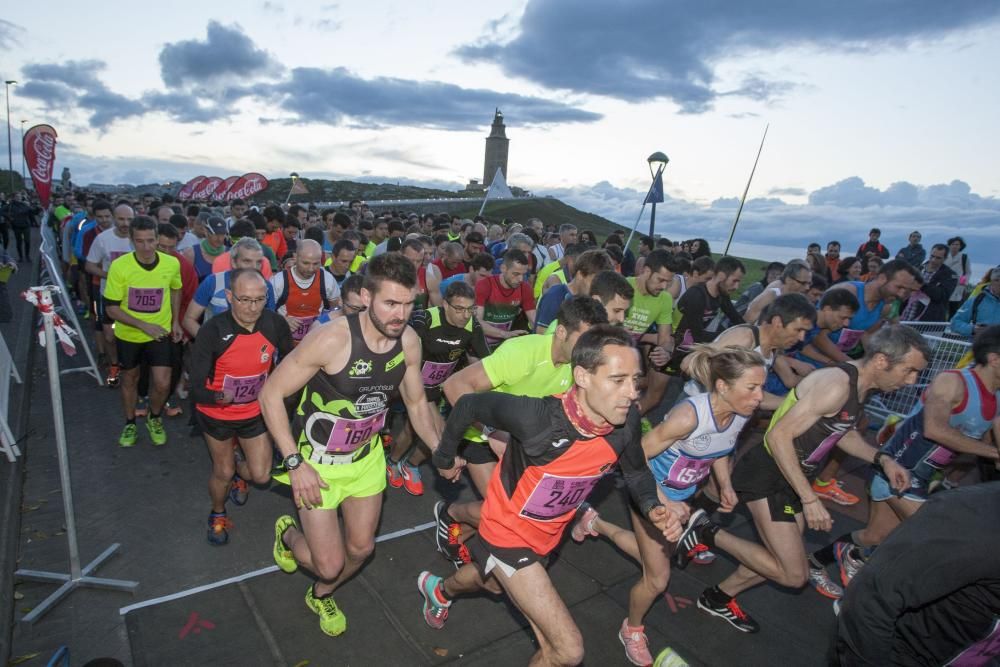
247,186
185,192
206,188
40,156
224,187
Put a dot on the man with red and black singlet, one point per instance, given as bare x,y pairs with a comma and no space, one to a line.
500,299
560,447
450,263
414,251
230,360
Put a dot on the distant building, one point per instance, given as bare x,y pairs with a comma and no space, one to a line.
496,150
474,186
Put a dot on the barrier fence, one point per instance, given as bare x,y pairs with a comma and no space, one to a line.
8,373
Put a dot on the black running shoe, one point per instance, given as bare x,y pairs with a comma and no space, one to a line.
690,538
731,612
447,533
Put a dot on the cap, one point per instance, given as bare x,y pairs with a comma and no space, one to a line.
216,225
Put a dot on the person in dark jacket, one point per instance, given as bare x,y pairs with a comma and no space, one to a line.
939,283
930,594
20,216
914,253
872,246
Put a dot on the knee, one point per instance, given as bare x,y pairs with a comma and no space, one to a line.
795,577
360,552
656,581
224,470
261,477
569,650
328,568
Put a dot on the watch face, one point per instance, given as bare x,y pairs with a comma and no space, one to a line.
293,461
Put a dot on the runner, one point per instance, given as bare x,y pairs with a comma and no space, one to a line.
704,307
448,264
559,449
339,261
695,438
653,305
213,245
480,268
415,253
449,336
107,246
230,360
795,279
956,415
558,271
347,372
305,290
502,299
587,265
773,479
143,296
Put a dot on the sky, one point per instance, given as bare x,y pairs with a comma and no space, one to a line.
879,113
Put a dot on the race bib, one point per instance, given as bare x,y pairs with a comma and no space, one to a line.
687,472
145,299
115,254
849,338
244,389
305,324
349,435
434,373
554,496
940,457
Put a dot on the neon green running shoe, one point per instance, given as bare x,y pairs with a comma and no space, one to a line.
331,620
156,433
129,435
283,556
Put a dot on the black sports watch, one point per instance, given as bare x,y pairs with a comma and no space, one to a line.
292,461
877,459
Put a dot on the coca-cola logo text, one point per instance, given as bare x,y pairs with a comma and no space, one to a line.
45,151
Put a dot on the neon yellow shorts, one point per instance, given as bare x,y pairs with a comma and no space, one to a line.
359,479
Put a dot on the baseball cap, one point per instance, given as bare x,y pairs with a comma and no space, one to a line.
216,225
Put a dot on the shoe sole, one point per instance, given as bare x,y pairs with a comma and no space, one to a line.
682,561
827,595
640,664
712,612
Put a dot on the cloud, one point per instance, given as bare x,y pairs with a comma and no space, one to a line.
651,49
49,93
339,97
10,35
227,52
73,73
76,83
769,227
184,107
788,192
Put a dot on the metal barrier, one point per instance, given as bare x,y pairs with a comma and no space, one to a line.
8,371
947,351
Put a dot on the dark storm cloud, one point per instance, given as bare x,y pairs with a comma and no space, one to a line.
648,49
225,52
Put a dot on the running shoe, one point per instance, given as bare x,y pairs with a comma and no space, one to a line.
668,658
435,611
731,612
156,433
171,410
636,645
824,585
218,525
239,490
393,477
142,407
331,620
834,491
702,555
114,376
690,538
584,526
447,533
129,435
283,556
412,483
847,562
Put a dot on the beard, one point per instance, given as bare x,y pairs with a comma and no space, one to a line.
383,327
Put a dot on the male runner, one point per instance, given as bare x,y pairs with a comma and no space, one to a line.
704,307
230,360
586,267
339,261
142,295
449,336
560,447
210,299
107,246
480,268
502,298
556,272
795,279
449,264
305,290
415,253
347,372
613,291
773,479
957,414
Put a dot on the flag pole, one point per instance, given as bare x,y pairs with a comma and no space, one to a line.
641,210
486,198
732,232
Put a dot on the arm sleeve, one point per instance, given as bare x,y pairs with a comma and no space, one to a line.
548,307
692,305
175,279
203,356
522,417
726,304
940,290
479,347
96,253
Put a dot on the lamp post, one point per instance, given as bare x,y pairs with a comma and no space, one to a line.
23,180
10,151
660,160
295,177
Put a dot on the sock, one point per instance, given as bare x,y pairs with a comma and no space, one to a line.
716,596
823,557
130,421
703,502
320,597
821,483
213,514
708,534
440,595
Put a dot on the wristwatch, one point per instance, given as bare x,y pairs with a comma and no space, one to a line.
292,461
877,459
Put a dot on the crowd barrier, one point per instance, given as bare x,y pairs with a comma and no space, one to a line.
8,373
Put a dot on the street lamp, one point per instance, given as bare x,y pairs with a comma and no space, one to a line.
10,152
295,177
657,163
23,181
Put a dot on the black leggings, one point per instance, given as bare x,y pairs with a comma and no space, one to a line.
22,237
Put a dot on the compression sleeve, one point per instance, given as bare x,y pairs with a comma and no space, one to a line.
520,416
726,305
692,305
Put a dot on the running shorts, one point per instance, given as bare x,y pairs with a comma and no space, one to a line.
221,429
487,557
359,479
756,476
880,491
155,353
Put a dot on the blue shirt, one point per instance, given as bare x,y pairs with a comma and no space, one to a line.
211,294
450,280
548,306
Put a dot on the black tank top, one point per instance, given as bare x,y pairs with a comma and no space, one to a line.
342,412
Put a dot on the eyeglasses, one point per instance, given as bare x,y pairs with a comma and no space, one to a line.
355,309
248,301
470,310
804,283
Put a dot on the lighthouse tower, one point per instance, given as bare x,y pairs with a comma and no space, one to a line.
496,150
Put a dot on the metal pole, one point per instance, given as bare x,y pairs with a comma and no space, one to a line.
732,232
24,180
641,211
652,219
10,148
